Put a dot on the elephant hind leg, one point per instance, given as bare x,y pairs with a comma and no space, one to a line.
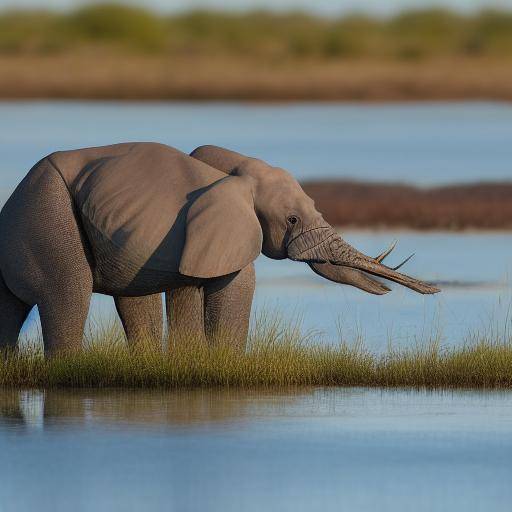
13,313
43,256
142,318
63,315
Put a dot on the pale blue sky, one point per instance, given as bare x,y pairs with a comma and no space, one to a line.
382,7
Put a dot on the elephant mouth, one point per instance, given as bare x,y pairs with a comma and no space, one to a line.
336,260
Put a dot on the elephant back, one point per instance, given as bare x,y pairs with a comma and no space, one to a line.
132,200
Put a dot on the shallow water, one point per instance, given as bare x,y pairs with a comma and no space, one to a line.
420,143
318,449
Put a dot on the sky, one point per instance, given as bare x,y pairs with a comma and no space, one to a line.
325,7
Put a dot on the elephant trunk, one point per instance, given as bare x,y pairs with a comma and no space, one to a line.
322,245
350,276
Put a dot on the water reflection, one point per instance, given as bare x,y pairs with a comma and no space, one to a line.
28,410
222,450
36,409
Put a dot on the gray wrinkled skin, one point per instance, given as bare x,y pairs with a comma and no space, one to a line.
133,220
310,239
316,238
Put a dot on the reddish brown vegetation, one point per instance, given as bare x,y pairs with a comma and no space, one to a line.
456,207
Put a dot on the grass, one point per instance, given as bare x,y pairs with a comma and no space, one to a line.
277,356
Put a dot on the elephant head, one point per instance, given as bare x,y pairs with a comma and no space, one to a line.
265,209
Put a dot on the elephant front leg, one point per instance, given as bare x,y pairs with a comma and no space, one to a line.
185,315
228,304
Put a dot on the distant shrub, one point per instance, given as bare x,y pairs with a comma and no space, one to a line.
491,33
419,34
353,36
114,23
265,35
24,32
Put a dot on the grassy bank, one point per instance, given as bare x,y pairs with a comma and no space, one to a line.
276,357
378,205
115,51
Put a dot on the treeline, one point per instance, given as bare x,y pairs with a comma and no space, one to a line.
378,205
412,35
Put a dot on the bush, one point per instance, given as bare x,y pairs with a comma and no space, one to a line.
265,35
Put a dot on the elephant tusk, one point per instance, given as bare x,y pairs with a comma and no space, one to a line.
403,262
380,258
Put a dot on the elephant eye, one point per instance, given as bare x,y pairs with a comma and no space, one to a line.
292,219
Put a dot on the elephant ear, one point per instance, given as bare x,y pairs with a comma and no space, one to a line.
223,233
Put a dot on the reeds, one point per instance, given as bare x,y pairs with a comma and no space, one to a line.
277,356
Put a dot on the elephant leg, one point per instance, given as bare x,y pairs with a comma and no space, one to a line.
13,313
228,307
63,314
43,256
185,315
142,318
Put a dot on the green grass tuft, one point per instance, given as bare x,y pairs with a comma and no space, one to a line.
277,355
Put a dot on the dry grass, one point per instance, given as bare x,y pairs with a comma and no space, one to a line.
277,356
456,207
109,75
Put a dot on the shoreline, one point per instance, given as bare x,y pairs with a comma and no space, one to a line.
271,361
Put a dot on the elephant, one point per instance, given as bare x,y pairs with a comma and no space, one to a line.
185,306
133,220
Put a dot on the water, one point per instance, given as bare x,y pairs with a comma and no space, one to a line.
318,449
424,143
473,271
418,143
